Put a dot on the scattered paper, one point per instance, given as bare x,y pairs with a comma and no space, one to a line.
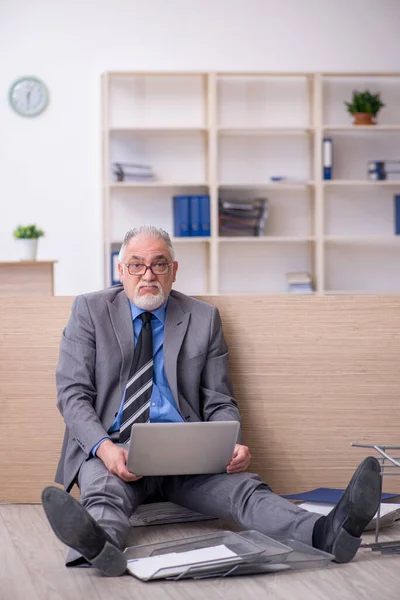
174,563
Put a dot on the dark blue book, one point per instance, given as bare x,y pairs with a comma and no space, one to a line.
181,216
204,215
194,211
397,214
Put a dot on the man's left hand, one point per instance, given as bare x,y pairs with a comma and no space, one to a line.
240,460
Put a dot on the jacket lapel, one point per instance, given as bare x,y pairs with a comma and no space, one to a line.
176,324
121,320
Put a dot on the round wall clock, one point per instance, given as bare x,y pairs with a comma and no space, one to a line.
28,96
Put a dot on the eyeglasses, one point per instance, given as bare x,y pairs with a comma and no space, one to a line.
139,269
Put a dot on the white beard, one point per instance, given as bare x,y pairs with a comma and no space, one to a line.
149,301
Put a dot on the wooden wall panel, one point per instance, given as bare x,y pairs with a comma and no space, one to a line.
311,374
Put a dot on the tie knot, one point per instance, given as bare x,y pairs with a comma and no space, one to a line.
146,317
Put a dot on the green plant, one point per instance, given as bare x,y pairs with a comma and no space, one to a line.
27,232
364,102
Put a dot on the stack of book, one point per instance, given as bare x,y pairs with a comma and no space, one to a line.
299,283
242,217
132,172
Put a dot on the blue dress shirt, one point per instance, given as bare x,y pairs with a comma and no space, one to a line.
163,407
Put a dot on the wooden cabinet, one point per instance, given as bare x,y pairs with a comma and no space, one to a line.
30,278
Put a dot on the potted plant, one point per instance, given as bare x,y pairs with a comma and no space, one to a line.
364,106
27,237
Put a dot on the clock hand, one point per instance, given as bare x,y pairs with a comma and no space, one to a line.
28,98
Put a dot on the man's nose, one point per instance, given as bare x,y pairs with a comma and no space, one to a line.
148,276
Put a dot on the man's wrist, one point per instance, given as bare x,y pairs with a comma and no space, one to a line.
97,446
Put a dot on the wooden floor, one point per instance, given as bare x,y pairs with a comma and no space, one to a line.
32,568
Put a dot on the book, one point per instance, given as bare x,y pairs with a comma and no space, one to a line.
299,283
131,171
243,218
205,215
114,268
181,210
397,214
327,157
194,212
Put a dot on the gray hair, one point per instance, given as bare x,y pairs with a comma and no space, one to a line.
151,231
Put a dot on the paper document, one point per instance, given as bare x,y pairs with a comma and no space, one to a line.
174,563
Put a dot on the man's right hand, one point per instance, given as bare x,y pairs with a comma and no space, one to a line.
114,457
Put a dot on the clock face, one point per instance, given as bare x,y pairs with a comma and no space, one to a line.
28,96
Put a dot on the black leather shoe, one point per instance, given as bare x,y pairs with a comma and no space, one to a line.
76,528
345,524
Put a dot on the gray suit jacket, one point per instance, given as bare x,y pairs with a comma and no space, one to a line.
96,353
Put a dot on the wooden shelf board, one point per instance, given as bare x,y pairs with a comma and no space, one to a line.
25,263
360,292
191,240
363,239
149,130
155,184
360,182
259,131
370,128
280,239
273,185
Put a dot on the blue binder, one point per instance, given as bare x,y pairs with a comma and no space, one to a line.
204,215
181,216
397,214
327,157
114,268
194,211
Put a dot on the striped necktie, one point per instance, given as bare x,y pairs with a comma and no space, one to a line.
139,387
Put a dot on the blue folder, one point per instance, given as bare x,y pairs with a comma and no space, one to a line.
328,495
397,214
181,216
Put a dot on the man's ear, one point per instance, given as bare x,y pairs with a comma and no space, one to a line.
174,270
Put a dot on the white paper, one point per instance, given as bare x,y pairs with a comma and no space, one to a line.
174,563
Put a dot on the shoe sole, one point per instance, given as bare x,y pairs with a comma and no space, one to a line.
365,498
110,560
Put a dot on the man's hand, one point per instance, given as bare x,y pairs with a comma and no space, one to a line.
240,460
114,457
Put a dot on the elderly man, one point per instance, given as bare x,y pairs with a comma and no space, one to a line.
186,377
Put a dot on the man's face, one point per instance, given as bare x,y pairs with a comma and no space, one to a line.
147,291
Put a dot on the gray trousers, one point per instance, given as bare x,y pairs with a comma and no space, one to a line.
241,497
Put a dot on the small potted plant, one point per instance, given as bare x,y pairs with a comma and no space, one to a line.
364,107
27,237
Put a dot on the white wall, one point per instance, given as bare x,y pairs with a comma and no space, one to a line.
50,166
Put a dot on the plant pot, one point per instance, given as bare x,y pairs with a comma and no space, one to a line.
27,248
363,119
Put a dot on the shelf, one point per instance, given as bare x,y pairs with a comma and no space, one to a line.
147,130
360,182
269,185
267,239
155,184
233,130
191,240
260,131
391,240
360,292
361,128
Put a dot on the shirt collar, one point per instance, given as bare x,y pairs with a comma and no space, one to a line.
159,312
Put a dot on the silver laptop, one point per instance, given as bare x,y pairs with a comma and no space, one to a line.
181,448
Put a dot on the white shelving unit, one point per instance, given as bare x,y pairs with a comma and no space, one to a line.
227,135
